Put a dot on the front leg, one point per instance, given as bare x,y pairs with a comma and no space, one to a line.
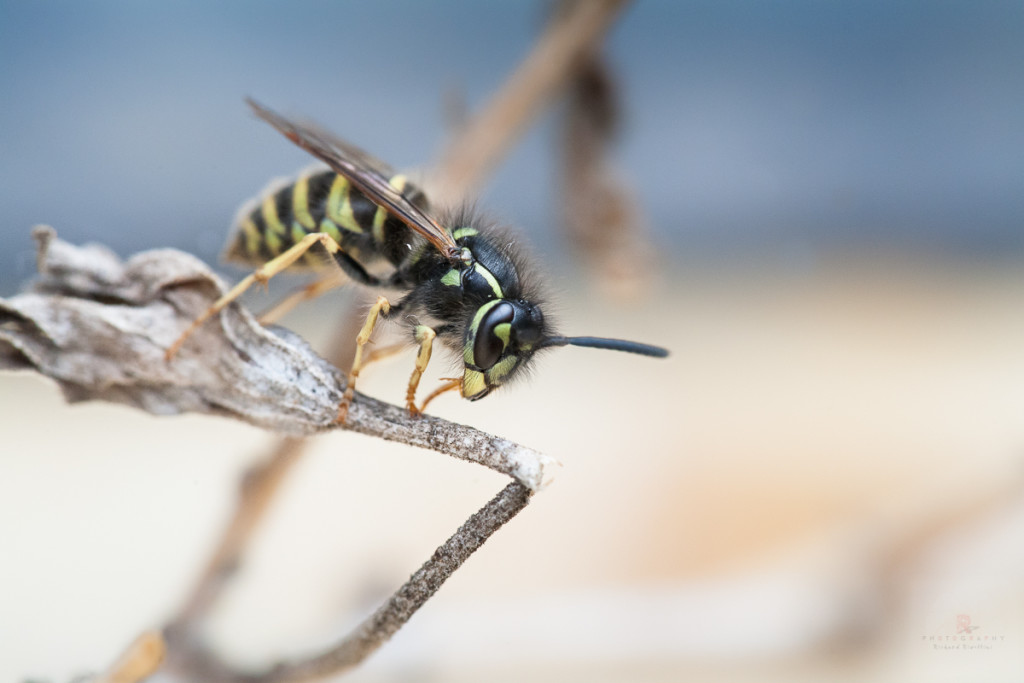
450,384
381,307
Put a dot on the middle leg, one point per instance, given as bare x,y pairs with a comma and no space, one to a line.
425,336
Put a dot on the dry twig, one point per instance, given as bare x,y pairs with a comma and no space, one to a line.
599,211
257,490
139,661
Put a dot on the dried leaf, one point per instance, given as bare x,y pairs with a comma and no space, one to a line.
100,327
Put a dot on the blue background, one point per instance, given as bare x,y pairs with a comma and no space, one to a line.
753,128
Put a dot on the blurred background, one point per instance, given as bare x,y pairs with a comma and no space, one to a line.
823,481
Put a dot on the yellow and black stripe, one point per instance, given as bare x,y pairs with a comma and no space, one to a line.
322,201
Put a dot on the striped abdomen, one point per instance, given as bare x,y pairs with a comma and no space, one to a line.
322,201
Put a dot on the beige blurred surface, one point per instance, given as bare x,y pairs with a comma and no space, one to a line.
820,479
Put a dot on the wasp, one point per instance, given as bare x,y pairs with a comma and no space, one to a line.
464,282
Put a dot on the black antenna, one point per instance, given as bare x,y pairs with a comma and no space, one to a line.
611,344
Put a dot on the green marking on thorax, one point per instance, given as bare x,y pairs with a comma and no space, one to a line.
451,278
459,233
491,280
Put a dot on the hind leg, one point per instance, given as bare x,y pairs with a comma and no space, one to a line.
310,291
261,275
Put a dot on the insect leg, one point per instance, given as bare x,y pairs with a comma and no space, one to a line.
452,383
310,291
383,352
425,336
261,275
355,270
383,306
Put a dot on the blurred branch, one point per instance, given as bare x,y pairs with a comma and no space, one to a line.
138,662
201,664
472,154
599,211
257,490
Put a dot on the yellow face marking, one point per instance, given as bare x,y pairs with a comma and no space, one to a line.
465,232
501,369
473,383
253,238
339,208
491,280
503,331
300,204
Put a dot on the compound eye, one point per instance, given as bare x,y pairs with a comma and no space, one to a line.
493,334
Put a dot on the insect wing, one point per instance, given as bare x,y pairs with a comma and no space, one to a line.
369,175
